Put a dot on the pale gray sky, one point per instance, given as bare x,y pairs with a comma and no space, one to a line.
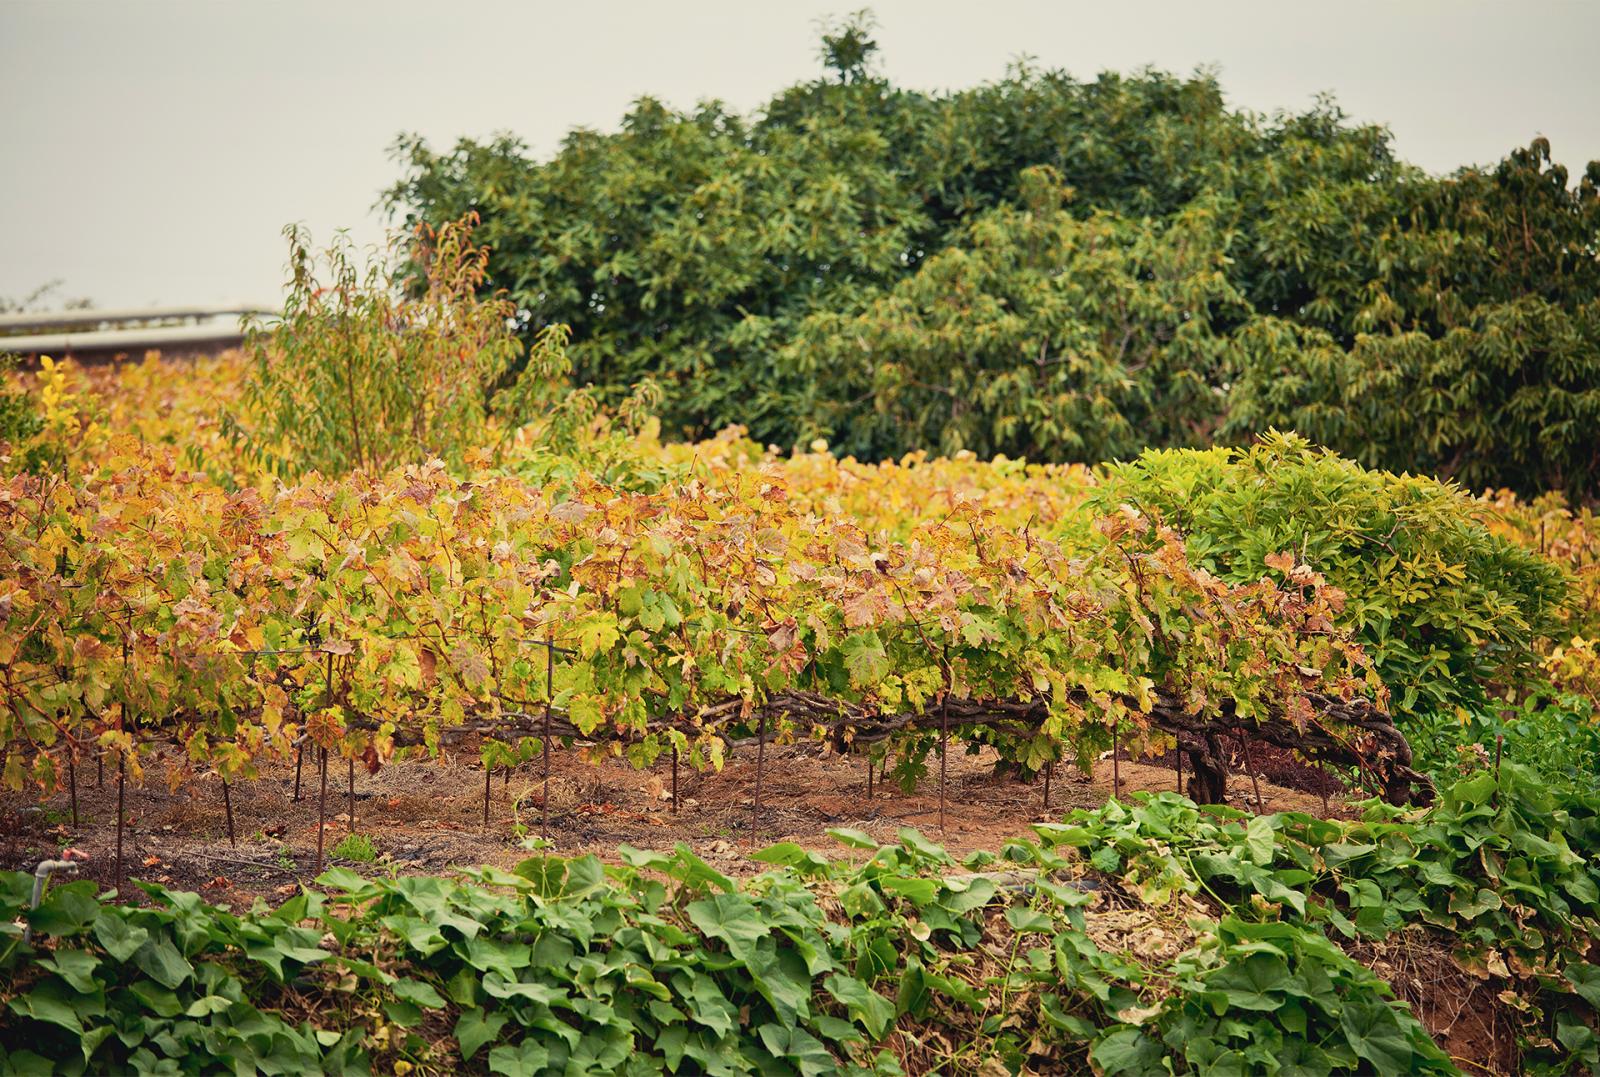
151,150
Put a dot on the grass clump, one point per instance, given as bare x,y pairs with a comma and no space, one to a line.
357,847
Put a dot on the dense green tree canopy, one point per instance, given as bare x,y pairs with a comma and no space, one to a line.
1057,269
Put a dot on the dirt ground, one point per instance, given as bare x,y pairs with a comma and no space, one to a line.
428,816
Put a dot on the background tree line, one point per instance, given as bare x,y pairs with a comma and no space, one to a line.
1055,269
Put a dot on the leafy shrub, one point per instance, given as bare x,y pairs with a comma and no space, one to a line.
1554,735
20,420
357,373
1445,610
48,424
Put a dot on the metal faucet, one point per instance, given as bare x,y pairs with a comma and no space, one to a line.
41,877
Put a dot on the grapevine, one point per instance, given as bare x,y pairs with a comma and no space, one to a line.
156,616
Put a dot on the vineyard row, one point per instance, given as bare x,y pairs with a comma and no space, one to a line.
388,613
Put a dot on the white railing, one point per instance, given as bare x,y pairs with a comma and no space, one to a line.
76,332
63,319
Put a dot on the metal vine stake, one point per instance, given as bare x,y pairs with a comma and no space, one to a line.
322,806
1116,762
1255,783
122,768
72,780
549,696
121,815
761,758
944,722
322,767
488,773
227,807
944,742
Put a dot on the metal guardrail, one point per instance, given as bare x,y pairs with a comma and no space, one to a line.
108,333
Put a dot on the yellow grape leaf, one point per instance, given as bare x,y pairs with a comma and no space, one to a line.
586,713
597,633
405,667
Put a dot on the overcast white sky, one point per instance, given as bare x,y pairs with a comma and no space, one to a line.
151,150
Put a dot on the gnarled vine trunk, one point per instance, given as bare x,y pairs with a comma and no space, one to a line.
1353,733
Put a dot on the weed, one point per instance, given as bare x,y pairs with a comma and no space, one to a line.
357,847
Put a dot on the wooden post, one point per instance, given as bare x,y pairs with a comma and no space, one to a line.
299,757
674,779
1177,763
352,811
227,807
869,776
1049,768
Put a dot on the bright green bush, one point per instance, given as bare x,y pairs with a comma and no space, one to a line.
1552,734
1446,611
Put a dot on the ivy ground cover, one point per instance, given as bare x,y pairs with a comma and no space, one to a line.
1139,938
